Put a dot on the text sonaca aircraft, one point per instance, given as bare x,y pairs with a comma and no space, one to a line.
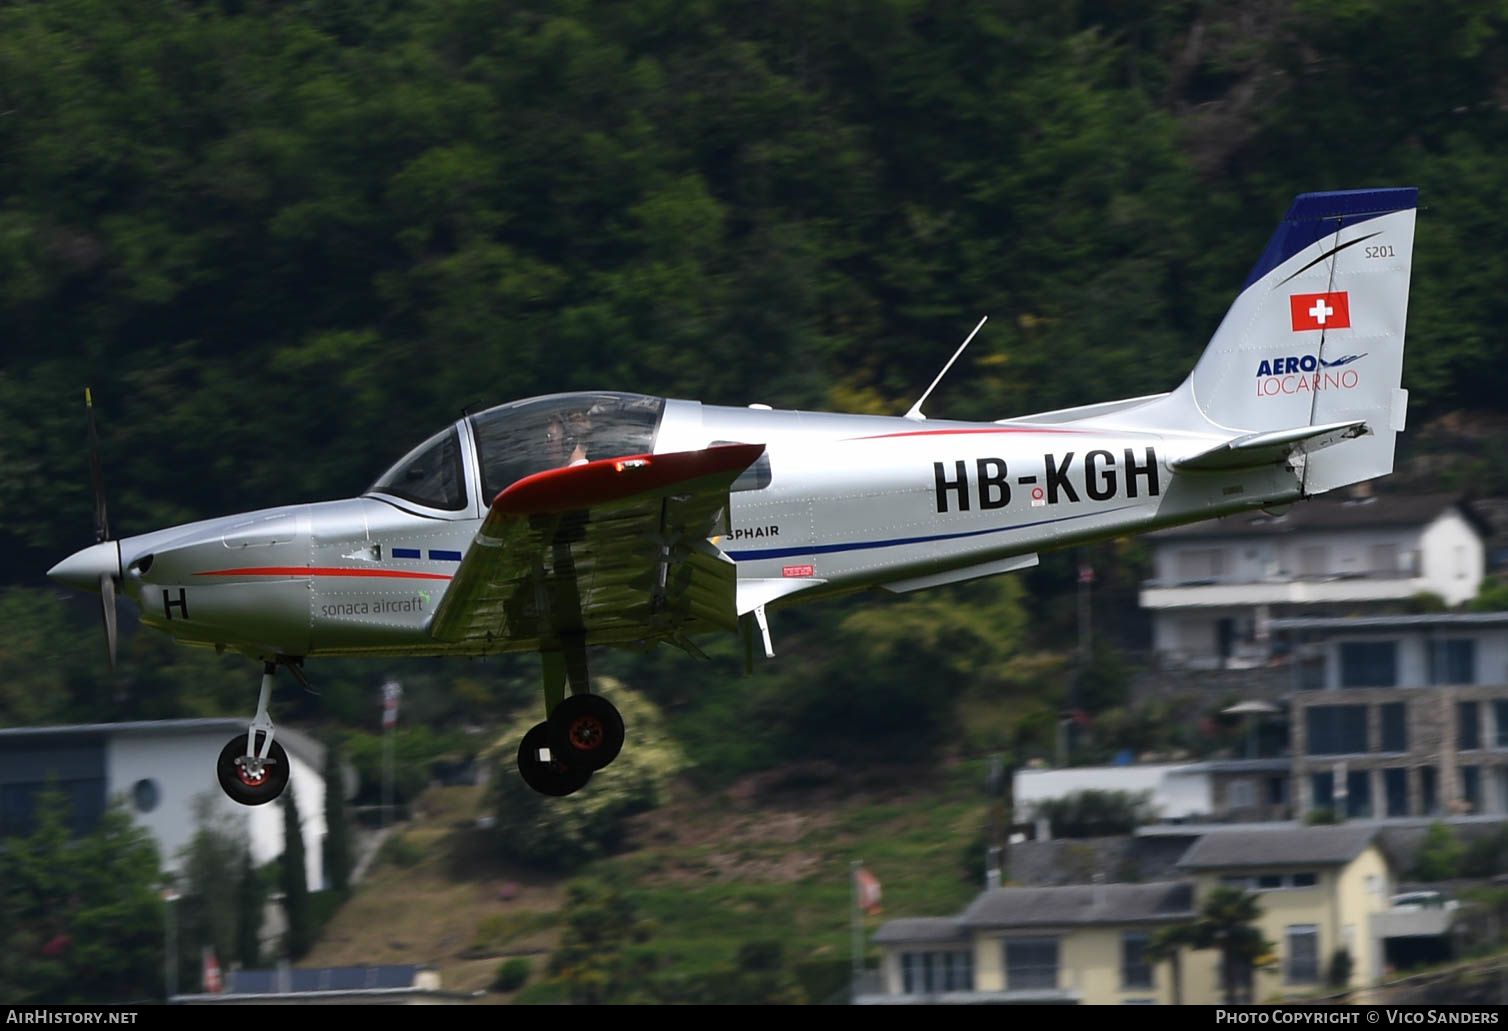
559,523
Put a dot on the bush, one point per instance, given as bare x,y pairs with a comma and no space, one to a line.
1092,813
399,851
561,833
511,975
1339,975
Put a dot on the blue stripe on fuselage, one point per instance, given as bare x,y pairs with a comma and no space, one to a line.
829,549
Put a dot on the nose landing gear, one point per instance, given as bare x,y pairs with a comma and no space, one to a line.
253,769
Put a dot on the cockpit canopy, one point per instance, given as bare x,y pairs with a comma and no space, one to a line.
527,437
523,438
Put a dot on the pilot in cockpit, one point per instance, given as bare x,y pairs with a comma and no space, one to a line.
578,429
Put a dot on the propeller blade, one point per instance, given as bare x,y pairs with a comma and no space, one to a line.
107,605
97,478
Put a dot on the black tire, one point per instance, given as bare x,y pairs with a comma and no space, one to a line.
247,790
586,731
551,777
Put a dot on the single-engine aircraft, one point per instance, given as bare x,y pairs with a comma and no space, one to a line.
559,523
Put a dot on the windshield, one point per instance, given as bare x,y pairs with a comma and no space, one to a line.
429,475
526,437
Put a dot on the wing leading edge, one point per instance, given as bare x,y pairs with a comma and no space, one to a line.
615,550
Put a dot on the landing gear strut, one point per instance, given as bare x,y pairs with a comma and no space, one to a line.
584,731
253,769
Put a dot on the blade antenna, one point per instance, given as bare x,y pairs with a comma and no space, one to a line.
916,409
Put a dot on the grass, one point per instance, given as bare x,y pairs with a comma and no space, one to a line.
713,871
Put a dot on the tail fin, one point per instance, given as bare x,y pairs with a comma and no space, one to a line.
1315,338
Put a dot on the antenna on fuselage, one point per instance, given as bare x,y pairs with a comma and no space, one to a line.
916,409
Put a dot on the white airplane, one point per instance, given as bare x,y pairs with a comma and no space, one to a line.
558,523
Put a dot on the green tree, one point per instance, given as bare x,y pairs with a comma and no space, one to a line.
207,914
1227,923
294,880
81,918
250,897
1095,813
561,833
600,958
337,844
1441,854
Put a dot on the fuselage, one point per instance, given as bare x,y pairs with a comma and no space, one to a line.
838,503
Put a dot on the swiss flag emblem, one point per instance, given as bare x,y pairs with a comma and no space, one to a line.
1320,311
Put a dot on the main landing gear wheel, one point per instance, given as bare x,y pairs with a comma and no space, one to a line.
548,776
586,731
247,779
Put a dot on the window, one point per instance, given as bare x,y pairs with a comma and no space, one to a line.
1471,788
145,795
1382,560
1500,717
1322,791
1031,963
1240,795
924,973
1136,969
1369,664
1395,783
1314,560
1453,661
1201,564
429,475
1277,790
1359,794
1269,881
1302,962
1429,797
1394,727
1336,729
526,437
755,477
1466,726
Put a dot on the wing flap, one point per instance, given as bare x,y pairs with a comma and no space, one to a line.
1271,446
615,550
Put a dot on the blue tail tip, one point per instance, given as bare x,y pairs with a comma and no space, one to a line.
1339,203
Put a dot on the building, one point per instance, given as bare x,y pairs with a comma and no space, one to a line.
1070,944
1319,889
1217,585
1396,716
165,772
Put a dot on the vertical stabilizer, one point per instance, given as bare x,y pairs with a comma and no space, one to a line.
1315,337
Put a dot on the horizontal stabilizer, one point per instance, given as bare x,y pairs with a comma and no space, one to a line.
1271,446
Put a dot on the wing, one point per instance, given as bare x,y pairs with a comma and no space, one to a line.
615,550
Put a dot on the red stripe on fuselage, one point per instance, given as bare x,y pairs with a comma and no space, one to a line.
322,571
949,433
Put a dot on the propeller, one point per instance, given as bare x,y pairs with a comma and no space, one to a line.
101,529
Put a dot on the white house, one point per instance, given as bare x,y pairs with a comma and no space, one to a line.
165,770
1177,791
1217,585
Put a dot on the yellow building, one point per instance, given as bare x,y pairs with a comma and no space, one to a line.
1318,888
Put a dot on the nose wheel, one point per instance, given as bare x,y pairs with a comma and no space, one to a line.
253,776
253,769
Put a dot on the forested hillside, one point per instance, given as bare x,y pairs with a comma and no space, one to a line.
285,241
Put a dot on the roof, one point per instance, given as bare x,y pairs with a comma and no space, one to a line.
1289,846
921,930
1332,513
1081,904
1452,620
338,979
297,743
